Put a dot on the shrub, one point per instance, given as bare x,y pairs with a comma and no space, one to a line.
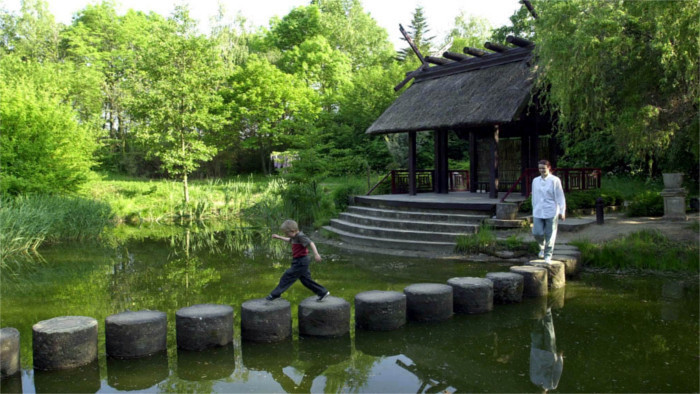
646,249
484,240
648,203
342,194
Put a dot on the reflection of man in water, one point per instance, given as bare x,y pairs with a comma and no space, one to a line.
545,363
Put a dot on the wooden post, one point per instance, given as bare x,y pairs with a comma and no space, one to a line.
493,168
412,163
473,178
524,159
440,174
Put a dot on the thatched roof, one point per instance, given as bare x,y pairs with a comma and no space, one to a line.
481,91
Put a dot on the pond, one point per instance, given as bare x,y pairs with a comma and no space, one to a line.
615,333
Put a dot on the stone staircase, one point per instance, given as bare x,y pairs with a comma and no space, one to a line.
419,229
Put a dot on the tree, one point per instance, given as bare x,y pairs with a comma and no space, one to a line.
34,34
268,108
468,31
418,31
44,147
624,71
176,95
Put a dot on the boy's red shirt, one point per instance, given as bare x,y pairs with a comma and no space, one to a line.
300,243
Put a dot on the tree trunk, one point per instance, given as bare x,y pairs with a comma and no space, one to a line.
186,189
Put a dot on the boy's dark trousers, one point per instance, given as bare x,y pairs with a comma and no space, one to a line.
298,270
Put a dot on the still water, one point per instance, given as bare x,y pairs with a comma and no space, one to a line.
603,333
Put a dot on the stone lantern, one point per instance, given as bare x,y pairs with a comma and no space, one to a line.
674,197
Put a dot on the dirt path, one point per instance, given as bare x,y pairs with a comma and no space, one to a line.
618,225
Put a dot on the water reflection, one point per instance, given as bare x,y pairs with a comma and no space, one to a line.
210,364
139,373
272,358
546,364
476,353
85,379
11,384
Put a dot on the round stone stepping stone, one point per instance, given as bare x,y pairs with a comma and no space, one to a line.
377,310
136,334
571,263
266,321
471,295
64,342
327,318
556,272
507,287
9,352
534,280
204,326
428,302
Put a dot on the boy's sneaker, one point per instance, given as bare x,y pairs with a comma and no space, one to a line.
548,260
541,254
270,297
323,296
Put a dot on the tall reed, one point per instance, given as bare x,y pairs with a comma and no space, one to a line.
27,222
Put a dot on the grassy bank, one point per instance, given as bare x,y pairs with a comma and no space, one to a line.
27,222
135,200
643,250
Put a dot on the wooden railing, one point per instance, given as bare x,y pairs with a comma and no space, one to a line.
571,179
425,181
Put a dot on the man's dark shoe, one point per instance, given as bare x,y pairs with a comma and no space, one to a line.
270,297
323,296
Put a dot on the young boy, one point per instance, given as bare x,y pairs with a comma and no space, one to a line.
300,262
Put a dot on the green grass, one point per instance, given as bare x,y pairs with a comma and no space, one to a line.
484,240
643,250
27,222
136,200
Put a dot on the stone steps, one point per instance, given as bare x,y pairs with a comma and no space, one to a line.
423,216
371,223
390,243
394,233
402,224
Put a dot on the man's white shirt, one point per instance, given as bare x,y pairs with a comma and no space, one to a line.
547,197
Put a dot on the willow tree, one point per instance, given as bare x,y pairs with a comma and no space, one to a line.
623,73
176,96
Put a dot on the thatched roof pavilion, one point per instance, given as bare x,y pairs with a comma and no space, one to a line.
483,96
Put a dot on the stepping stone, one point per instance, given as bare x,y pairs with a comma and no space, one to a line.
534,280
471,295
64,342
378,310
136,334
556,272
327,318
204,326
9,352
428,302
571,263
507,287
266,321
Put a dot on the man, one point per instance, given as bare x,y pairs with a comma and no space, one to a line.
548,205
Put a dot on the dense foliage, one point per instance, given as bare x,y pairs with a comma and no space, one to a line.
148,95
623,78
